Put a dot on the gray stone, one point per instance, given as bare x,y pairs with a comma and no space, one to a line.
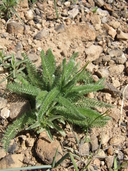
73,13
120,155
93,52
41,34
60,28
94,143
125,13
18,55
15,28
19,108
109,161
19,46
84,149
12,147
33,57
37,11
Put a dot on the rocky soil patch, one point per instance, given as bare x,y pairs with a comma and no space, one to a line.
101,37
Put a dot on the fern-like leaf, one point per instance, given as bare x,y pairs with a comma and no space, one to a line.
70,66
95,118
60,130
21,80
67,88
86,78
50,97
40,98
62,82
49,66
85,89
49,133
24,89
18,125
66,113
91,103
33,74
66,103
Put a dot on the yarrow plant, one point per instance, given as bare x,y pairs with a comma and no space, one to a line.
58,95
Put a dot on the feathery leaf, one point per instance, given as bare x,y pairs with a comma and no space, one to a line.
66,103
85,89
18,125
24,89
40,98
91,103
33,74
50,97
49,66
70,66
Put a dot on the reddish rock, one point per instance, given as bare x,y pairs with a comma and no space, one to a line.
110,151
46,150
